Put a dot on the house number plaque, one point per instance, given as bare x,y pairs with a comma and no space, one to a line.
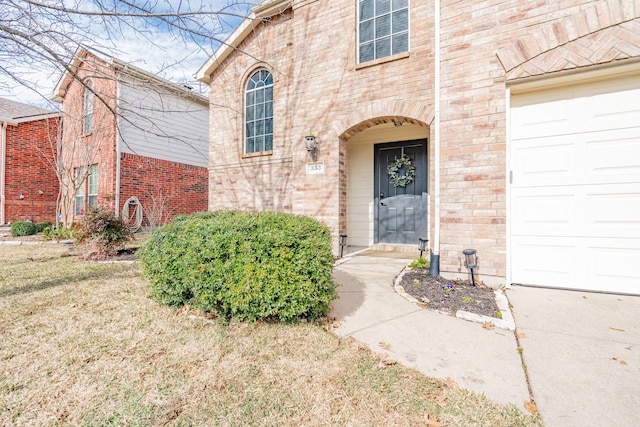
316,168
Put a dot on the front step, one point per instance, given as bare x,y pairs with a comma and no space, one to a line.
392,247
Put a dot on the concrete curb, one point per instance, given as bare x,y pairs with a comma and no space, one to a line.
48,242
507,322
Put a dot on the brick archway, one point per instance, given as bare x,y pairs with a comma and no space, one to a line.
588,38
360,122
380,112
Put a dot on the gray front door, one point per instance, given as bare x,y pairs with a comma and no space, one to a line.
400,210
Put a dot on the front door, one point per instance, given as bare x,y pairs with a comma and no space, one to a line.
400,191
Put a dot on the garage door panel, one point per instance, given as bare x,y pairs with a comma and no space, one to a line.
614,269
543,260
608,265
577,211
574,193
614,157
549,161
577,159
544,214
615,213
542,117
610,108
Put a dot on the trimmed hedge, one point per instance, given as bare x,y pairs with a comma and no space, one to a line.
28,228
23,228
243,265
40,226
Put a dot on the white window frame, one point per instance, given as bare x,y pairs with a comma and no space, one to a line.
79,208
390,35
87,108
87,192
267,120
92,187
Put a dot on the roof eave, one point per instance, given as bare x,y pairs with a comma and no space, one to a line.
15,121
61,88
259,12
65,80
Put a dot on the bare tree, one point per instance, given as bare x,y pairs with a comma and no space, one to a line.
39,41
158,213
43,35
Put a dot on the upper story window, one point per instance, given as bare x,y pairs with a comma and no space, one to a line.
259,113
87,116
383,28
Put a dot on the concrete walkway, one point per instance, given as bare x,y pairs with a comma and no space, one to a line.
440,346
582,350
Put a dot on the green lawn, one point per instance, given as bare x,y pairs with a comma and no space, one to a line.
82,343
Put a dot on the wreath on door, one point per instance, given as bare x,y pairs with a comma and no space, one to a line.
404,162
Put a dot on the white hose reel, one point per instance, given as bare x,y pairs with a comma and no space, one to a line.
132,213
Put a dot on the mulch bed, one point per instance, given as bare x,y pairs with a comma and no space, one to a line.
128,254
449,296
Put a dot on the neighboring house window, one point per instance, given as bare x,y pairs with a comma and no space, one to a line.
259,113
383,28
80,191
88,189
92,196
88,108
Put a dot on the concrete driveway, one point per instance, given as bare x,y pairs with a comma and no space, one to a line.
582,353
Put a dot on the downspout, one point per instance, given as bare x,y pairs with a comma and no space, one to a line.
117,189
434,269
3,161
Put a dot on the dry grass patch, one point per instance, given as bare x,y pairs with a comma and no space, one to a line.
83,344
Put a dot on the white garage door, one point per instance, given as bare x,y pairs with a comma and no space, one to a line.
575,187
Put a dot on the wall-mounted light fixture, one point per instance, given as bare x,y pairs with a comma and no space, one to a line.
21,196
422,245
471,262
40,192
311,146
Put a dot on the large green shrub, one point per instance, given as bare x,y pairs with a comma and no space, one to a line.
23,228
242,265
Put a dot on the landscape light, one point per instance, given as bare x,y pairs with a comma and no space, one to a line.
422,245
471,262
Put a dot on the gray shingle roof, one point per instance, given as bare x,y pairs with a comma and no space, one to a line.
19,111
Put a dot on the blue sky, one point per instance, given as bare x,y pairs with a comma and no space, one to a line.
148,44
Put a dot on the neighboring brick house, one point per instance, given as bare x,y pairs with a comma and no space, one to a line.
131,139
509,127
28,183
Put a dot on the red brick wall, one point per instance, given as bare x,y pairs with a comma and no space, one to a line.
29,170
182,188
99,146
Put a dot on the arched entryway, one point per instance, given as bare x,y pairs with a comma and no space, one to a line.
378,208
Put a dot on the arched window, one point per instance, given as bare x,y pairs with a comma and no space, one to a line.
258,119
87,122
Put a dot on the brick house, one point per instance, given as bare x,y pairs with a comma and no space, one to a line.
28,184
509,127
132,141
